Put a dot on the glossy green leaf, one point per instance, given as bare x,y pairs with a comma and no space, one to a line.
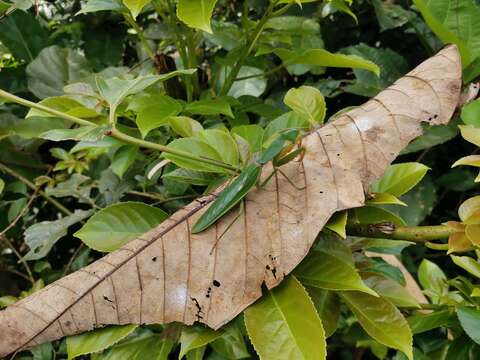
468,264
152,117
123,159
116,225
433,280
322,57
97,340
420,323
231,344
470,133
196,13
338,223
195,337
327,304
82,133
381,320
136,6
115,90
446,30
103,5
254,86
198,147
330,266
469,319
469,207
2,185
400,178
368,84
210,107
253,134
374,215
290,120
54,68
185,126
471,113
145,345
384,199
23,35
284,324
308,102
432,136
41,236
66,105
390,290
223,143
189,177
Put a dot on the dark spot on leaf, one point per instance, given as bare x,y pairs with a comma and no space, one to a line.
107,299
154,259
216,283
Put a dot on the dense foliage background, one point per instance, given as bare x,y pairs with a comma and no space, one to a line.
98,61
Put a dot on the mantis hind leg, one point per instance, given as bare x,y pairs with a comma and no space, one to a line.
240,211
290,181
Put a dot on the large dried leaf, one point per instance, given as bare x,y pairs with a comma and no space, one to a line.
170,275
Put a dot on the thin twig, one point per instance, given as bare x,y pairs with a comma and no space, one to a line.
20,258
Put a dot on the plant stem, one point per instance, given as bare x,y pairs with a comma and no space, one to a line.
19,257
32,186
269,72
233,74
387,230
147,144
131,21
30,104
118,135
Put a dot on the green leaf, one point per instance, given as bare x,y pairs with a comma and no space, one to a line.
384,199
123,159
390,290
103,5
54,68
330,266
82,133
231,344
189,177
112,227
469,207
145,345
2,185
7,301
195,146
223,143
253,134
392,66
66,105
185,126
374,215
290,120
22,34
432,136
420,323
470,133
196,13
433,280
115,90
381,320
454,22
136,6
471,113
400,178
419,203
194,337
254,86
284,324
210,107
468,264
97,340
157,113
390,16
338,223
321,57
308,102
41,236
328,308
469,319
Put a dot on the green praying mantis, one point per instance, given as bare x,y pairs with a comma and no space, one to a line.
279,153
